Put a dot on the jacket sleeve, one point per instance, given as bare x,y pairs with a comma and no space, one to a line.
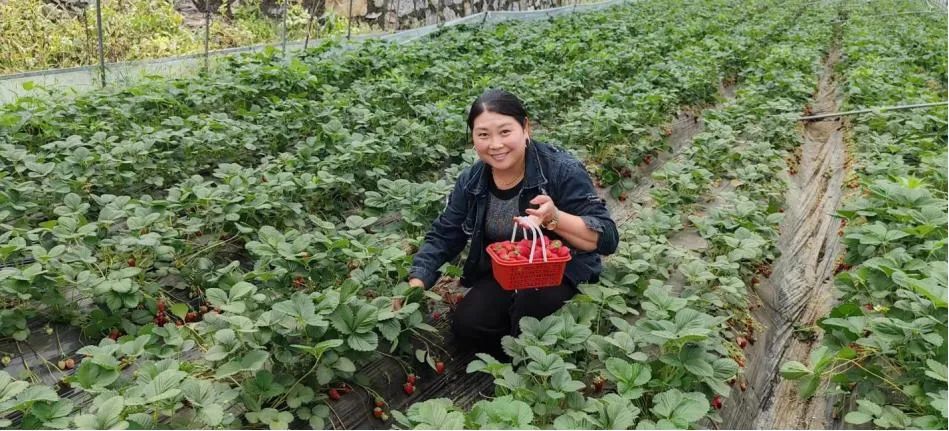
446,238
580,199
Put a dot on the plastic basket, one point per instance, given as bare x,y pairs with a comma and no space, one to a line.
528,275
523,275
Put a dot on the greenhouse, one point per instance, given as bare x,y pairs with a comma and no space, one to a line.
297,214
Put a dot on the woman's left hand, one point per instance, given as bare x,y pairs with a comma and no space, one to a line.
545,211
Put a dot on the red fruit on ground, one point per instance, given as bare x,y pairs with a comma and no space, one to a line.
717,402
333,394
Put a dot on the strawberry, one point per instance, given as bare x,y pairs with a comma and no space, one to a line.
742,342
333,394
439,367
436,315
6,360
556,243
161,305
384,417
114,334
377,412
743,386
380,403
717,402
61,365
191,317
70,363
408,388
203,309
598,383
563,252
410,379
131,261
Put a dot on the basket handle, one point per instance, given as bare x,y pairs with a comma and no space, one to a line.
537,234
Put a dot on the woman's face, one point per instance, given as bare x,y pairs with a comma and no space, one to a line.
499,140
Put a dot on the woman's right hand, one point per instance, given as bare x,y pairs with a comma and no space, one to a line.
414,286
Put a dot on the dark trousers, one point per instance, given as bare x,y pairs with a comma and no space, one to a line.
488,313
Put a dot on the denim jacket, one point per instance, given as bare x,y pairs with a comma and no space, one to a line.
548,170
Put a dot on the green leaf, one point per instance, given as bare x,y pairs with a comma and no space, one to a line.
857,418
793,370
179,309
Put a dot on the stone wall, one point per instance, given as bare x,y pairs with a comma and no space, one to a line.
405,14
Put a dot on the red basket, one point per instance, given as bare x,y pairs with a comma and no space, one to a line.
523,275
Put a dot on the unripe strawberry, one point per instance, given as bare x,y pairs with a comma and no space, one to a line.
6,360
70,363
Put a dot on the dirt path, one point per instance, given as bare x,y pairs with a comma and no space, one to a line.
800,288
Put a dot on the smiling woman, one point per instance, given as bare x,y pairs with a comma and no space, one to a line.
514,176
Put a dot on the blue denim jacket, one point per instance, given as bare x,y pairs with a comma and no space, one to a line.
549,170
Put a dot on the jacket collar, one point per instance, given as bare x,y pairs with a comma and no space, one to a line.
533,172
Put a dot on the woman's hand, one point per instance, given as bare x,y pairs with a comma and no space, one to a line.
545,212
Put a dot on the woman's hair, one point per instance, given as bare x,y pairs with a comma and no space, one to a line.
499,102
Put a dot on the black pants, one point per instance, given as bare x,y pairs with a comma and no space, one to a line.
488,312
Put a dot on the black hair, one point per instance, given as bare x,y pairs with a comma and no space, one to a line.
499,102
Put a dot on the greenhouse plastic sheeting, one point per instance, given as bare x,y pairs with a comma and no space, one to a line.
83,78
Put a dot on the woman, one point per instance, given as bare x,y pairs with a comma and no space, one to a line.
515,176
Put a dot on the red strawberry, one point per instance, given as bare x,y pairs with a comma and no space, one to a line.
333,394
742,342
869,307
563,252
114,334
439,367
717,402
191,317
408,388
410,379
377,412
161,305
131,261
380,402
436,315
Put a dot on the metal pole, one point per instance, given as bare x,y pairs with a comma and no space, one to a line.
101,49
309,25
207,35
349,25
865,111
286,7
